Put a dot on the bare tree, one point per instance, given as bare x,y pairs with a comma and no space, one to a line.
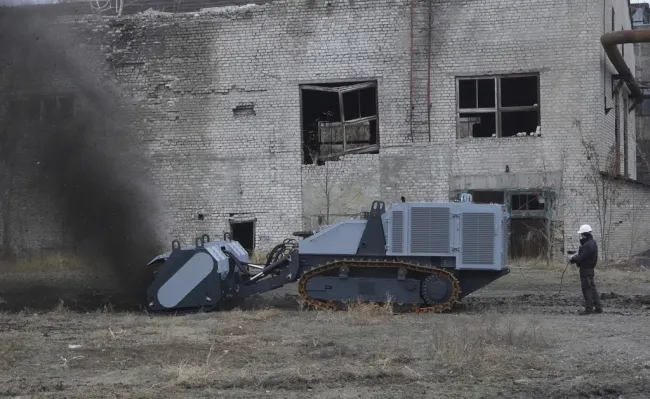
602,176
330,192
98,7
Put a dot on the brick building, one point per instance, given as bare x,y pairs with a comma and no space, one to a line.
267,118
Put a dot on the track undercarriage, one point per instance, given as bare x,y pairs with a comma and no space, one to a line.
410,287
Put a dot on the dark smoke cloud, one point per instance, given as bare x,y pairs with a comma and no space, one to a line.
93,170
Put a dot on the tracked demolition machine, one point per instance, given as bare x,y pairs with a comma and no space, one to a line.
422,257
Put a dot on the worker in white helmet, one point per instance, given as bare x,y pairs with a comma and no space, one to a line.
586,260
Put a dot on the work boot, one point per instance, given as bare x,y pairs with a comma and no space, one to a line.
599,310
586,311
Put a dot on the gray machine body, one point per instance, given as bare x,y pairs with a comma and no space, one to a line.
472,236
192,275
471,240
214,249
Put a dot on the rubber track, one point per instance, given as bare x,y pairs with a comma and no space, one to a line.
375,263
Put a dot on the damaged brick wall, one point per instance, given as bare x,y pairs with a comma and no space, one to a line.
219,93
506,38
218,96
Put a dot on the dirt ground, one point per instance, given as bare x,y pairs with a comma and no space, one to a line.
518,338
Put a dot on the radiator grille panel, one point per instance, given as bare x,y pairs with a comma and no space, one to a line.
398,231
430,229
478,238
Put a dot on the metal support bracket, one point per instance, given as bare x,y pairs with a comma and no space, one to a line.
618,86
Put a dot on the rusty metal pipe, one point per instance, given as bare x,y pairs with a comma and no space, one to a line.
613,39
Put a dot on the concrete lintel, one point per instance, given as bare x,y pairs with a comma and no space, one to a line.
504,181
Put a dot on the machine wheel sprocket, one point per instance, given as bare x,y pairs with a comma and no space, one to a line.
435,274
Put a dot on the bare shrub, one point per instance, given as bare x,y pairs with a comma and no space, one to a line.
60,308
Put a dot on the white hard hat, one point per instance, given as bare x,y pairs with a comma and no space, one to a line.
585,228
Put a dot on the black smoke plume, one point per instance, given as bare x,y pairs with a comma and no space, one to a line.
91,168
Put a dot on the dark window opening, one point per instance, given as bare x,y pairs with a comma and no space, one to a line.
49,109
200,216
65,107
32,110
502,106
339,119
477,93
527,202
519,91
46,108
528,238
487,197
244,233
513,122
242,110
477,124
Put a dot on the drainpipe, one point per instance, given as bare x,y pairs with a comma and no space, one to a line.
610,41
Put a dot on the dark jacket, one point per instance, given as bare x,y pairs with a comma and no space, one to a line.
587,256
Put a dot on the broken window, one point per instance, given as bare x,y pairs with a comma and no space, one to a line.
528,238
527,202
501,106
339,119
487,197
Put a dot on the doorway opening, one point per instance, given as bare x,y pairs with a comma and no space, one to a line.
244,232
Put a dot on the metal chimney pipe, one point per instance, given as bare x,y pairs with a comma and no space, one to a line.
610,41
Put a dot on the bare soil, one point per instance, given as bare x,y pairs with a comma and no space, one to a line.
518,338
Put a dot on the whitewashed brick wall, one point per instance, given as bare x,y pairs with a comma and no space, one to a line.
339,189
191,70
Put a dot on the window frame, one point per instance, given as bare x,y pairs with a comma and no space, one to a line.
341,87
497,109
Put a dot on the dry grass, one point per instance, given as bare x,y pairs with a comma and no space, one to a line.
367,349
364,313
10,352
607,271
269,349
360,344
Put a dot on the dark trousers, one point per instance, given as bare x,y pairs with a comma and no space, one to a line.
589,289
